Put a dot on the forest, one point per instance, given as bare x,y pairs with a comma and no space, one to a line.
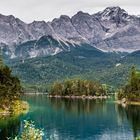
132,89
77,87
10,92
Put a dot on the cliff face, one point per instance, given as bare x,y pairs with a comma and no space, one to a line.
110,30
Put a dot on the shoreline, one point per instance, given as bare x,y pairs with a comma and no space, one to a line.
79,97
124,102
35,93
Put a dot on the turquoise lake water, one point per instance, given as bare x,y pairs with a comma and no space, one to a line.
77,119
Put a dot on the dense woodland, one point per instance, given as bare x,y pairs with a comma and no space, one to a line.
77,87
10,87
82,63
132,90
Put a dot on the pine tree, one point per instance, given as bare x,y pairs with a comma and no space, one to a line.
132,89
133,79
1,60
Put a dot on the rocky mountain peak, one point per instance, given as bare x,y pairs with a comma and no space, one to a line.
63,27
81,14
114,10
114,14
38,22
112,29
64,17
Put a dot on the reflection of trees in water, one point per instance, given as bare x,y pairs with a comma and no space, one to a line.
77,106
133,115
9,128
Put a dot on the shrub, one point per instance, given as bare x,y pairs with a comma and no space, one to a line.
30,132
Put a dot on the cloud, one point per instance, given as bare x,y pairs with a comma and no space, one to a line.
29,10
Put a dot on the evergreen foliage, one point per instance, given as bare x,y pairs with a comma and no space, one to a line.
77,87
132,90
82,62
10,87
1,61
46,70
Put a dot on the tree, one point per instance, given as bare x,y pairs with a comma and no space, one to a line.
133,79
77,87
132,90
10,87
1,60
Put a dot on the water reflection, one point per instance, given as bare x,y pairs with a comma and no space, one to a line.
77,106
9,127
77,119
132,113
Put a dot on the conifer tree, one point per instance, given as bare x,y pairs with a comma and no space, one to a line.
1,60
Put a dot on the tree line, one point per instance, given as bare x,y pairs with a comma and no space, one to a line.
132,90
10,87
77,87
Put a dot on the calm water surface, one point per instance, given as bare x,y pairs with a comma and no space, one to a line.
65,119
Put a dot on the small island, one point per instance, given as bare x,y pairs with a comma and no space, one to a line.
130,94
10,93
77,88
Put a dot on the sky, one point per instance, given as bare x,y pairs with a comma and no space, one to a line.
47,10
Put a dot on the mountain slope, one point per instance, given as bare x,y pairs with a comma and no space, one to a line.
132,59
85,62
110,30
81,46
44,46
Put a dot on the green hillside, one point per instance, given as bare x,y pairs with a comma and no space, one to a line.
83,62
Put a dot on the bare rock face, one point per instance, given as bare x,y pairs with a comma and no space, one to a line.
114,15
122,30
110,30
88,27
39,28
12,30
64,28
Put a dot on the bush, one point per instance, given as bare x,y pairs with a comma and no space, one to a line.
30,132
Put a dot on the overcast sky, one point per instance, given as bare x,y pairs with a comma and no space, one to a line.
30,10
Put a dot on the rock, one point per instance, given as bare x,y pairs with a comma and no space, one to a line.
112,29
123,101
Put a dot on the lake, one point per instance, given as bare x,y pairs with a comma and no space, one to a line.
77,119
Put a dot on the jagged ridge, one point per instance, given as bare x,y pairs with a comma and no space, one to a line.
110,30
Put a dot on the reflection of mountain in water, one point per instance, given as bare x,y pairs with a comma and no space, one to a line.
77,106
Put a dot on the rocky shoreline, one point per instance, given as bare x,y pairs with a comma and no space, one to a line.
79,97
124,102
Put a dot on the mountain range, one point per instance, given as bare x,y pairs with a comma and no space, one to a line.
102,47
110,30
